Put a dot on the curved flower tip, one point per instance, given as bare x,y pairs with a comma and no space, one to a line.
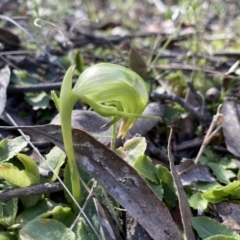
113,91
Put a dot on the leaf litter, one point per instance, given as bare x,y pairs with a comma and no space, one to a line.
178,51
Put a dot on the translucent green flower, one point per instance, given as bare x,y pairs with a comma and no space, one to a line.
113,91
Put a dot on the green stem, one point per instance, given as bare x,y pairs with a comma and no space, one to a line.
66,103
65,116
113,140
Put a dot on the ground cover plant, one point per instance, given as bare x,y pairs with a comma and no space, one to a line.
119,120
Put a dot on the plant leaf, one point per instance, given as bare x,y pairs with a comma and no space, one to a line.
222,237
136,63
8,236
132,149
41,209
55,158
30,167
40,229
207,227
222,175
169,189
196,201
16,177
8,212
223,193
10,147
143,164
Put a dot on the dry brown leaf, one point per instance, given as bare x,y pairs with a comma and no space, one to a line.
4,81
231,126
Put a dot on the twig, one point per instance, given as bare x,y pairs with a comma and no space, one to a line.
194,68
33,75
35,87
30,191
179,100
185,210
210,133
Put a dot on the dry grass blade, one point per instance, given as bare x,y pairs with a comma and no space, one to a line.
185,210
119,179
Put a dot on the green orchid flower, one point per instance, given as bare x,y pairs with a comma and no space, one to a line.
112,91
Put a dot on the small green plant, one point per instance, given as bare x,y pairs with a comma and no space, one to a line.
112,91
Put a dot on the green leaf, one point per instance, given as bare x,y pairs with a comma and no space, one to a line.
37,100
30,201
169,189
206,186
30,166
63,215
143,164
8,212
68,184
55,158
232,190
132,149
10,147
79,61
82,229
209,154
16,177
222,237
226,163
45,229
157,188
222,175
41,209
8,236
207,227
196,201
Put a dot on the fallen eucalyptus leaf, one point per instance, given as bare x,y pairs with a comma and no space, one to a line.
4,81
194,174
91,122
119,179
231,126
230,214
136,63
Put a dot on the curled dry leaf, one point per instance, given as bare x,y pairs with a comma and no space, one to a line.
119,179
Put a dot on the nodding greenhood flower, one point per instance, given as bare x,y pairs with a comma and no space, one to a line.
113,91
